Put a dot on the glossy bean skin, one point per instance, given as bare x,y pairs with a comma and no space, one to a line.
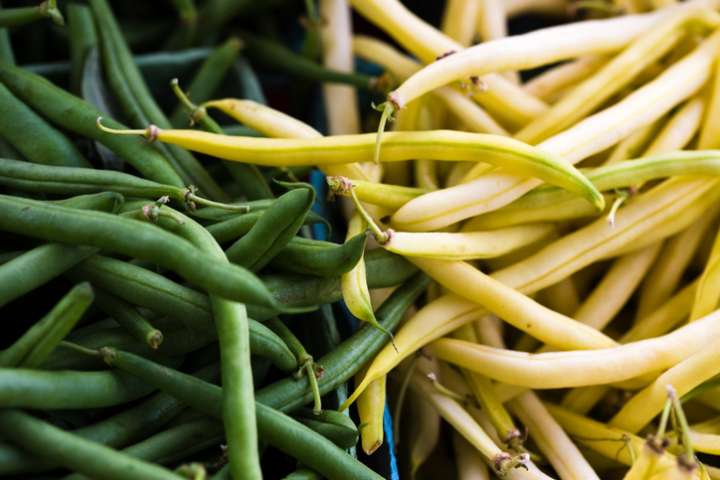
134,238
75,452
130,319
322,259
83,38
74,114
15,17
331,424
33,137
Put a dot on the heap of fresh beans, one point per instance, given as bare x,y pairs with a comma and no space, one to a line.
360,239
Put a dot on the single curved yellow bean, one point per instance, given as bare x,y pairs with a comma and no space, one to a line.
705,442
551,83
708,291
667,273
519,52
680,129
382,194
354,283
683,377
466,245
592,135
584,367
341,149
550,438
635,144
371,409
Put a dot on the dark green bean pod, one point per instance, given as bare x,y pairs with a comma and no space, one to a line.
276,428
237,225
36,267
74,452
273,230
83,38
322,259
64,108
331,424
208,78
102,202
342,363
130,319
6,51
173,444
116,51
67,389
34,178
15,17
34,346
185,30
278,57
135,238
118,430
33,137
384,269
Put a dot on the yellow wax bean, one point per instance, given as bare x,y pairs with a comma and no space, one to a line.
612,77
371,408
519,52
710,131
469,462
616,287
458,20
341,102
513,307
341,149
683,377
466,245
707,295
592,135
607,441
662,320
680,129
427,43
383,195
667,273
492,24
549,84
464,424
635,144
705,442
562,258
424,430
562,297
276,124
437,318
550,438
354,283
514,8
401,67
584,367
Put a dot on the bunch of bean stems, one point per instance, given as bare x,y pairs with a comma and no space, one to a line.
542,273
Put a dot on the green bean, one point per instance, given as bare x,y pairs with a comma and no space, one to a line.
73,113
215,13
117,430
208,78
276,56
276,428
6,51
273,230
36,267
249,82
134,238
303,474
383,270
83,38
346,360
67,390
30,350
185,31
173,444
139,286
322,259
331,424
15,17
38,141
103,202
130,319
238,401
117,53
28,177
234,226
75,452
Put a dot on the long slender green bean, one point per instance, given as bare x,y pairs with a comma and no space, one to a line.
15,17
83,38
130,319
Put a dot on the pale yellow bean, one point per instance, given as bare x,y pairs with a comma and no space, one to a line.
708,291
540,7
551,83
371,409
680,129
583,367
469,462
458,20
